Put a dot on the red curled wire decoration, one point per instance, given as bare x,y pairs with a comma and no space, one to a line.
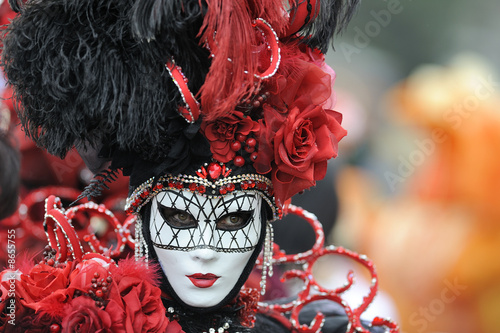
191,108
272,41
64,239
306,296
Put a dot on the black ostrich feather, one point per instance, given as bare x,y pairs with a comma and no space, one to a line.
333,16
16,5
98,184
81,76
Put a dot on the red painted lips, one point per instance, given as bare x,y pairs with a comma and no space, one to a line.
203,280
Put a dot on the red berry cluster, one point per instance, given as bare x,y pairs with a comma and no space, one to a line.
99,289
256,102
249,144
49,256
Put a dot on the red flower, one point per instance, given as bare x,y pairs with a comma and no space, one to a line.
248,301
297,147
82,315
34,323
222,132
307,80
43,280
143,307
45,285
81,277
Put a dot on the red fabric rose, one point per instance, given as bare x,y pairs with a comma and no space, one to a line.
82,315
81,277
42,280
297,146
30,322
143,307
304,79
222,132
45,288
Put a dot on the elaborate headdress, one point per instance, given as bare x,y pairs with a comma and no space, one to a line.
227,92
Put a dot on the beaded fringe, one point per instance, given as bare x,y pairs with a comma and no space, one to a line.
267,262
141,248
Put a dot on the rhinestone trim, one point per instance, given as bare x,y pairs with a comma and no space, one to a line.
255,183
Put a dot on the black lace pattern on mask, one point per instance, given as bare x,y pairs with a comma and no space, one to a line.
206,212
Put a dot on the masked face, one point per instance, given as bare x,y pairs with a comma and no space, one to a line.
204,244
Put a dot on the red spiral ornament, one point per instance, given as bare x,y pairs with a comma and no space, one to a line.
306,296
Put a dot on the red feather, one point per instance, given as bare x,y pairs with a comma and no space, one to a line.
227,30
131,268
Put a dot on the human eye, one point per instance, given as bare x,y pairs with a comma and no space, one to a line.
177,218
234,221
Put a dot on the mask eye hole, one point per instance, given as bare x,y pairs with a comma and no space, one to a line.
177,218
234,221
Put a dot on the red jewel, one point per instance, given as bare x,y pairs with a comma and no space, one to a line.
214,170
240,137
239,161
251,142
179,185
230,187
201,189
192,187
171,184
235,145
252,184
55,328
254,156
244,185
223,191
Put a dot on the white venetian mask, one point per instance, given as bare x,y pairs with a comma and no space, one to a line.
204,244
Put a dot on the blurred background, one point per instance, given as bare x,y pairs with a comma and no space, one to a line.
417,180
418,176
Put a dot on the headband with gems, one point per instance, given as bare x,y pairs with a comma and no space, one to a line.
212,180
